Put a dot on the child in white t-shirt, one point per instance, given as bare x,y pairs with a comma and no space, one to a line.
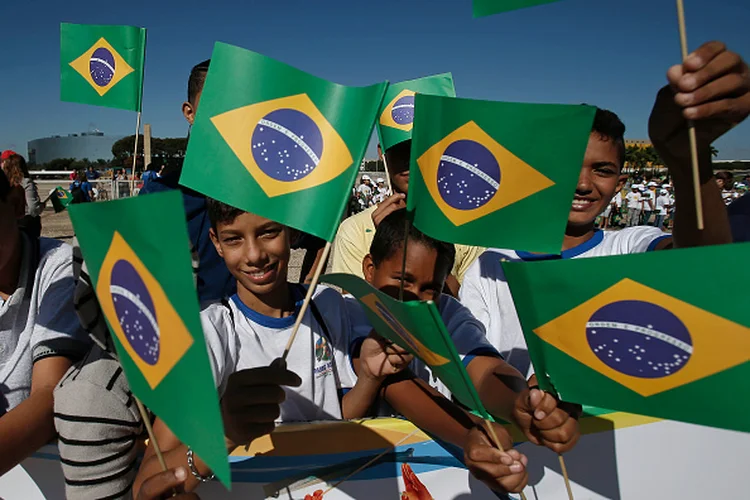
485,290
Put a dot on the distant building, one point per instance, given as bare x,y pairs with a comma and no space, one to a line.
640,143
90,145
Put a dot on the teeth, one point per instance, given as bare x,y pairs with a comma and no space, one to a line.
259,274
581,203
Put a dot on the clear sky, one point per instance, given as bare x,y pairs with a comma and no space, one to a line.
610,53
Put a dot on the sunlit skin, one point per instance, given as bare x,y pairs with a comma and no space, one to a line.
256,252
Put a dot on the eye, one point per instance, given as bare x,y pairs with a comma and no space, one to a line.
270,233
231,240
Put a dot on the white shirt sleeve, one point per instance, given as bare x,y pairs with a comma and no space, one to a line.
218,329
466,331
638,239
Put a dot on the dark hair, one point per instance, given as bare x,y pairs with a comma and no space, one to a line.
197,79
610,128
725,176
219,212
4,186
389,238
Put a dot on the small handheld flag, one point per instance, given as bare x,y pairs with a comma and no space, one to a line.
496,174
610,332
488,7
143,279
60,198
396,116
102,65
289,144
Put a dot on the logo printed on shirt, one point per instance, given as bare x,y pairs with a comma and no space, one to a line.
323,354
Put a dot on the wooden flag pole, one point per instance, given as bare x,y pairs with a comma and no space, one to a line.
308,297
150,431
691,125
387,175
565,476
368,464
135,152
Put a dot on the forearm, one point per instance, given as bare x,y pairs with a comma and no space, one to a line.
716,222
499,389
429,410
26,428
357,402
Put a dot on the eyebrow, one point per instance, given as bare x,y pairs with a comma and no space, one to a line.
605,164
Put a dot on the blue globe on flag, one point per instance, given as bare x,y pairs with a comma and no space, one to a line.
468,175
102,66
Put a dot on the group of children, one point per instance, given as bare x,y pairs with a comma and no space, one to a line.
339,367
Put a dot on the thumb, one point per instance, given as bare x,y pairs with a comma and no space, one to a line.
535,397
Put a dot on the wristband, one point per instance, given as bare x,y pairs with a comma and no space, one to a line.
194,471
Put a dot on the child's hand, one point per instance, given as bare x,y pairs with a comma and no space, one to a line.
500,471
546,421
164,484
380,357
252,401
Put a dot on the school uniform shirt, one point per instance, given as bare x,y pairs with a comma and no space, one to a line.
661,204
239,338
486,293
466,331
634,200
354,237
38,320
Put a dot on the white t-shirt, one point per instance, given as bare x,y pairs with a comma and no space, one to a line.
486,293
38,320
634,199
365,190
661,204
240,338
466,331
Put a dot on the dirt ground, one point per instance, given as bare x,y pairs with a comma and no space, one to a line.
59,226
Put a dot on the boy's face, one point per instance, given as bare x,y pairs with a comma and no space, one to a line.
255,250
397,159
598,182
421,278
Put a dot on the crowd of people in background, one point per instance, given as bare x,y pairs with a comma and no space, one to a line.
368,194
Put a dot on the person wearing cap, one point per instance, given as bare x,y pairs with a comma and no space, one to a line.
634,205
647,203
663,204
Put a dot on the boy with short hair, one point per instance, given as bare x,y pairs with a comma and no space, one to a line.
485,291
40,332
246,335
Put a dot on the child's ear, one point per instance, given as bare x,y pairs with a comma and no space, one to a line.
188,112
368,268
215,241
621,183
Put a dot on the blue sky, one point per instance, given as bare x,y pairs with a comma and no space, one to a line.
610,53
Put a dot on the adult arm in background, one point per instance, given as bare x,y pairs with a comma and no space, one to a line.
711,88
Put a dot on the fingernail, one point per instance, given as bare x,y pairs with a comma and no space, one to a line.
687,99
690,113
180,473
688,81
506,460
692,59
516,468
539,415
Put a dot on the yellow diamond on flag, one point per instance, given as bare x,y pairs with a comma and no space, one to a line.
399,113
469,175
423,352
102,67
140,314
646,340
286,144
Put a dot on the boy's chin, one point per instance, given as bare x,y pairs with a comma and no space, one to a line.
581,220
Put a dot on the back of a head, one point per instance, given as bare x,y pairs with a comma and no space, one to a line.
725,176
15,168
197,79
609,127
389,239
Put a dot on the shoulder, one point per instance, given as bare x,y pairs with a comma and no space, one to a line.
637,239
329,299
489,264
55,257
357,222
219,314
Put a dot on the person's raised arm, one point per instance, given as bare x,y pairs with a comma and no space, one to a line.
711,88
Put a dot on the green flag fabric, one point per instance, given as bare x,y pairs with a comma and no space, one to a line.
61,198
280,143
638,333
396,116
496,174
142,275
418,328
488,7
102,65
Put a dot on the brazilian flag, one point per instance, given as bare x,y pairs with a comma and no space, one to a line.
396,116
143,279
102,65
496,174
60,198
488,7
418,328
659,334
280,143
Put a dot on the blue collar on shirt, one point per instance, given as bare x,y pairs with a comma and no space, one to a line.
566,254
270,321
